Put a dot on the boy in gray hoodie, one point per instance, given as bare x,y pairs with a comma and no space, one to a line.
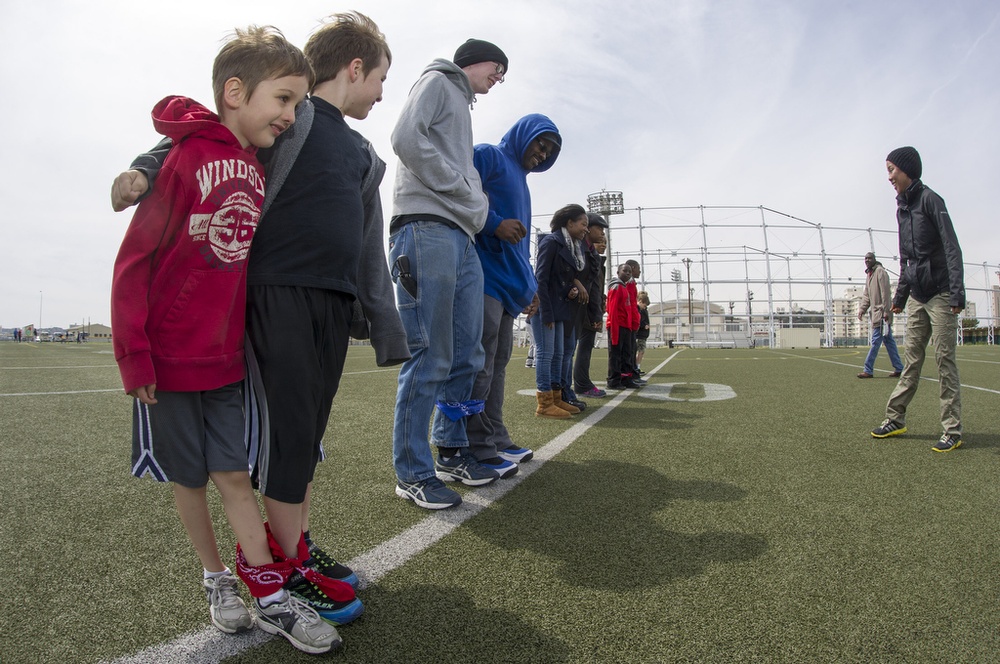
438,207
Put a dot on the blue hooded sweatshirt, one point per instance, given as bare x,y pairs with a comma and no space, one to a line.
507,273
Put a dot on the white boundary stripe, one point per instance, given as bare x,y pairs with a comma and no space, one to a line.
45,394
848,364
208,645
67,366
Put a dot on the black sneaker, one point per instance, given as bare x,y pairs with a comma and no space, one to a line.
948,442
463,467
888,428
330,610
324,563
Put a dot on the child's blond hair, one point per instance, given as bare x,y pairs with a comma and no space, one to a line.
642,296
343,38
256,54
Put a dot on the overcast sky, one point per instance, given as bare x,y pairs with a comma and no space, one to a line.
792,105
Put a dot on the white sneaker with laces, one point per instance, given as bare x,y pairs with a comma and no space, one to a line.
299,623
229,613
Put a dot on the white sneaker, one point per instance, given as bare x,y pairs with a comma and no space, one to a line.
299,623
229,613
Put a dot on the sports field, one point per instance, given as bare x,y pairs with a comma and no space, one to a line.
735,509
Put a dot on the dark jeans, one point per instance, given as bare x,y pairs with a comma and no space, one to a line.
581,367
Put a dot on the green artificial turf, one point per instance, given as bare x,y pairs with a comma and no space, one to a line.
767,527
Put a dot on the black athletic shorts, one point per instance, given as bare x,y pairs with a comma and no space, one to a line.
298,337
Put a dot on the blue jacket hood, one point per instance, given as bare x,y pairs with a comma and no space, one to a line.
507,272
518,138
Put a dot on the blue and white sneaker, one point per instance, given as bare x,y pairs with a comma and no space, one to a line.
516,454
464,468
333,611
431,494
504,468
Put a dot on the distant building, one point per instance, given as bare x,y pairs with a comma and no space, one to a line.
94,331
669,321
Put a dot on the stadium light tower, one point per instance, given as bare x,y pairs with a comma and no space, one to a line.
687,263
606,203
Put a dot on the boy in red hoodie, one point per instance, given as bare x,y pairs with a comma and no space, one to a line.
622,315
178,301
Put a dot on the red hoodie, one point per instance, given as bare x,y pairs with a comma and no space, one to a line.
178,294
633,293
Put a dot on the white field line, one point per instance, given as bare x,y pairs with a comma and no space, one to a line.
208,645
849,364
46,394
68,366
43,394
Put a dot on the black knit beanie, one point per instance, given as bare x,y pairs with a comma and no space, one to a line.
907,160
477,50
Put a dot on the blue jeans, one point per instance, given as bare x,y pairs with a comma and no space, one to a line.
444,329
548,353
878,338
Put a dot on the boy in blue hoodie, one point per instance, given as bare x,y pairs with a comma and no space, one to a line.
509,285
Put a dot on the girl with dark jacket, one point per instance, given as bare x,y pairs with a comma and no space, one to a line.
560,258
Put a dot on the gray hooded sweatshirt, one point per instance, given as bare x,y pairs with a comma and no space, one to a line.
433,140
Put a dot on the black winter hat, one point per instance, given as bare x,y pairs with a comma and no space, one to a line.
596,220
477,50
907,160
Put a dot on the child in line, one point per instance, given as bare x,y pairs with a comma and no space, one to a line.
642,334
560,257
633,332
318,259
177,306
622,313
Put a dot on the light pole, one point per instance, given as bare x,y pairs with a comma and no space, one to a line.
687,263
607,203
39,314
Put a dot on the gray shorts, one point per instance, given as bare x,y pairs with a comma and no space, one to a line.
640,345
187,435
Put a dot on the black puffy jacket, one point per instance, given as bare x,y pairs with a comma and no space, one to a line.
930,260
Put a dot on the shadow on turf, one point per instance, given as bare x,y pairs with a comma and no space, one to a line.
428,623
981,441
638,415
604,521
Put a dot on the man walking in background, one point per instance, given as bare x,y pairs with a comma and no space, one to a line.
877,298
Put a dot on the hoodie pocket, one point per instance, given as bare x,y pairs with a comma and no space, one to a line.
199,323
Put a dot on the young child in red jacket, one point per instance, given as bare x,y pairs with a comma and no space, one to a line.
178,299
622,319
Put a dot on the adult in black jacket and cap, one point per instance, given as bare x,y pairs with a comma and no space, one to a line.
931,287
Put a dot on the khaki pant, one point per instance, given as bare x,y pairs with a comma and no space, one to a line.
930,321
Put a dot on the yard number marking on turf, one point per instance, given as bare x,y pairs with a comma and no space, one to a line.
662,392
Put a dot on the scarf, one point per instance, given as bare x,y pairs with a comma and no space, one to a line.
575,249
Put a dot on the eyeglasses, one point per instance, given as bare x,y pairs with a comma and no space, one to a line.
500,71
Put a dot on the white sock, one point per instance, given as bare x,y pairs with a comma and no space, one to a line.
272,598
216,575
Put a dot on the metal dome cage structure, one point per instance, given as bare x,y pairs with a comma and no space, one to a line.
738,276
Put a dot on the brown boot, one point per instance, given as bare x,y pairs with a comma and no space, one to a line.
546,409
559,403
